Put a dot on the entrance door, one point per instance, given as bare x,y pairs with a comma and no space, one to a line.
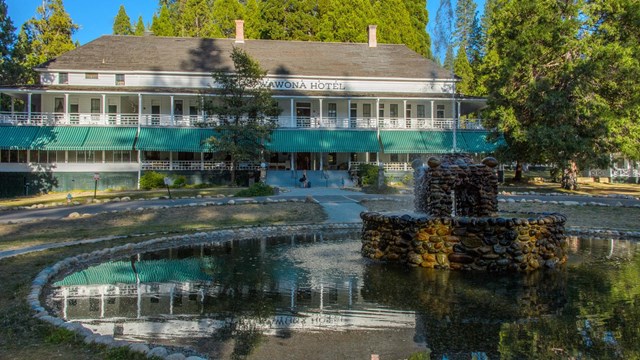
303,161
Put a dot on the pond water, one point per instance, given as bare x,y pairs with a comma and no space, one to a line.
313,296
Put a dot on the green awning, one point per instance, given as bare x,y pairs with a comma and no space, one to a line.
312,140
174,139
110,138
476,142
149,271
434,142
17,137
415,142
60,138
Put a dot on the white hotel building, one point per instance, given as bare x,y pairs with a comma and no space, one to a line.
123,105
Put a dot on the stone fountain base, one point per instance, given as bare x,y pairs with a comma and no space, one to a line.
466,243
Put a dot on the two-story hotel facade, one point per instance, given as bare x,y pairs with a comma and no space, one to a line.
123,105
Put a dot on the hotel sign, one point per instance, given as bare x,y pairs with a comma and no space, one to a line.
279,84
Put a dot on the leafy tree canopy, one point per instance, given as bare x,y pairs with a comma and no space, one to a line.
122,23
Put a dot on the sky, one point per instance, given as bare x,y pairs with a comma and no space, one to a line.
95,17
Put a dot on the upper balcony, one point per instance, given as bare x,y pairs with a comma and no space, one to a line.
166,120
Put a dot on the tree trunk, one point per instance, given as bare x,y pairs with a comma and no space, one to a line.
518,175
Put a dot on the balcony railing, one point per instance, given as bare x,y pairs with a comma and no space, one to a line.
88,119
196,165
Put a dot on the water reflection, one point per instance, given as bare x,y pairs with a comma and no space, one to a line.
210,295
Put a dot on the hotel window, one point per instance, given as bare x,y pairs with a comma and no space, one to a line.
393,158
354,111
373,157
408,111
95,106
332,158
63,78
421,113
393,110
440,111
91,76
332,110
366,110
120,79
354,157
381,110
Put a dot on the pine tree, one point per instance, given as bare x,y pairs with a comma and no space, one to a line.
462,69
289,20
48,35
196,19
545,92
345,22
245,110
252,19
162,24
394,24
140,28
449,58
419,20
224,15
465,15
122,23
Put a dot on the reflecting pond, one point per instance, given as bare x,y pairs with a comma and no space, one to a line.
313,296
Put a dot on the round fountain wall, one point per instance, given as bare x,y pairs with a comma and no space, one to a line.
477,240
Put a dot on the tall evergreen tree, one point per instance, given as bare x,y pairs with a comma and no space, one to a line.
419,20
48,34
465,15
161,25
289,20
394,24
449,58
122,23
462,69
245,110
224,14
252,19
345,22
7,41
541,96
196,19
475,48
140,28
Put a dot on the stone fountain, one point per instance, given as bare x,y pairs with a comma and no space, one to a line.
455,224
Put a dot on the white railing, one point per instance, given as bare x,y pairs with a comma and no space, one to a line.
614,173
388,166
196,165
167,120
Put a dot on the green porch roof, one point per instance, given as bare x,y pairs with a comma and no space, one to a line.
17,137
110,138
312,140
149,271
174,139
434,142
60,138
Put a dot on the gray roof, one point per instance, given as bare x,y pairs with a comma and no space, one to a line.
301,58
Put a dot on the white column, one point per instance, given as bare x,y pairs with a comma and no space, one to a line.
320,112
404,112
29,108
170,160
139,111
321,162
293,116
348,113
139,164
103,116
66,108
201,161
173,116
458,114
377,112
432,113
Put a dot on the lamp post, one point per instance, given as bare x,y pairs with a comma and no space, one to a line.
96,178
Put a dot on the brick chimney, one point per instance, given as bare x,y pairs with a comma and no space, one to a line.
239,31
373,40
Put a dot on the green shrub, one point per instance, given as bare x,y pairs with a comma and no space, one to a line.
368,174
257,189
179,181
151,180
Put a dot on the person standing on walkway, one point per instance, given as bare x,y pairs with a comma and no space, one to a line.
304,180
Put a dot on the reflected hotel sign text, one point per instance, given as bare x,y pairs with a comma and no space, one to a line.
278,84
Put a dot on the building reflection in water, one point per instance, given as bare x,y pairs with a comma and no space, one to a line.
318,282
